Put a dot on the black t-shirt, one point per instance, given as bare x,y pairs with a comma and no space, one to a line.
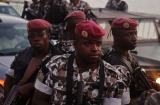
21,62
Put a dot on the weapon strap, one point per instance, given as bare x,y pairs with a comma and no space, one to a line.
102,77
69,83
128,64
69,79
44,62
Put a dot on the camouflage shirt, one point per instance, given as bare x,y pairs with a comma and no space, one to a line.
34,9
82,6
67,46
115,57
54,83
121,5
58,28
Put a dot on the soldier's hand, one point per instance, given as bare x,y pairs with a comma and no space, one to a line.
149,92
24,91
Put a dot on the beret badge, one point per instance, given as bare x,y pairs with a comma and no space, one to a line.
84,34
126,25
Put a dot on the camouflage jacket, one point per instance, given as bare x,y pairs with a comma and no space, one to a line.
82,6
54,82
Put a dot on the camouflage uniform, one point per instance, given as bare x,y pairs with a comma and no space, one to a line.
33,10
114,57
121,5
58,28
82,6
55,82
66,46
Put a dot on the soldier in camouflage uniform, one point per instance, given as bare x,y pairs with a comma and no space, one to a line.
55,12
119,5
66,44
124,31
32,11
80,76
27,61
81,5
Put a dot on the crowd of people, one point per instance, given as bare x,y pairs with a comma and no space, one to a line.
54,11
75,71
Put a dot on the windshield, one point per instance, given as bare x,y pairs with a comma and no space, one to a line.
13,37
9,10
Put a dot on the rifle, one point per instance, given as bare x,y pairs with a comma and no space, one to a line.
139,76
140,79
24,9
11,95
79,98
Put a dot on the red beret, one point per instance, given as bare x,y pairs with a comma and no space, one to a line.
36,24
76,14
124,23
89,30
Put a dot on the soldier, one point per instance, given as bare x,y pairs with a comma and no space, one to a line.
81,5
80,78
124,31
66,43
32,11
119,5
25,66
55,12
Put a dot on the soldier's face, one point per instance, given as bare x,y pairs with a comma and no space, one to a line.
39,39
88,51
128,39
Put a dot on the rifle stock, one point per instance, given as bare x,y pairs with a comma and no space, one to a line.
79,98
140,78
11,95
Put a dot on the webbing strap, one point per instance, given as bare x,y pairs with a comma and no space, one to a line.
102,77
69,79
69,84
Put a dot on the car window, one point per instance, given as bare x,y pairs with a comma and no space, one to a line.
13,37
9,10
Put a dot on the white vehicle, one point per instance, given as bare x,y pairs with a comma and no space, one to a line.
8,9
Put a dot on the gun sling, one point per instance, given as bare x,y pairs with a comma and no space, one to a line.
140,73
69,79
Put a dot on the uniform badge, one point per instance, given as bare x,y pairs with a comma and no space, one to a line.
126,25
84,34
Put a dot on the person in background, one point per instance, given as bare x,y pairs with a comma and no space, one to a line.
119,5
32,12
82,6
82,77
55,12
35,11
42,8
66,43
124,31
26,63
